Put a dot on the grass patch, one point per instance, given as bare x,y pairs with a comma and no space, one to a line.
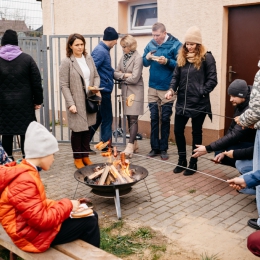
121,241
4,253
192,190
205,256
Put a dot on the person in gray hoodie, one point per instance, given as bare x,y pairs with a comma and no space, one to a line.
20,91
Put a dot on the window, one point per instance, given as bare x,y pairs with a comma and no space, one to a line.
142,17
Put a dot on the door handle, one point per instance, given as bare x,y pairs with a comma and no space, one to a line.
230,72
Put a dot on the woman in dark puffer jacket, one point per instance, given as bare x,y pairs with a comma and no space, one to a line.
194,78
20,91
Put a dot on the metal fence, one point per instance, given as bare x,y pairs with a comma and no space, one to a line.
48,53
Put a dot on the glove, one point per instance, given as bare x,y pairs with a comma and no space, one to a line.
149,56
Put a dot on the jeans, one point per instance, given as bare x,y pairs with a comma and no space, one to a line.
160,143
256,166
179,126
105,118
244,166
231,161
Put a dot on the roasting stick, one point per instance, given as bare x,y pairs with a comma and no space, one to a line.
181,166
131,99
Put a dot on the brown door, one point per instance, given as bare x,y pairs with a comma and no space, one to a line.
243,51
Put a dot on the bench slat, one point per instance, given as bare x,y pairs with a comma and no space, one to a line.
50,254
81,250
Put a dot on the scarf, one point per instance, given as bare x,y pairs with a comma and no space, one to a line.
127,57
190,57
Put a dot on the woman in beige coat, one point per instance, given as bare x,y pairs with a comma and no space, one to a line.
77,72
129,70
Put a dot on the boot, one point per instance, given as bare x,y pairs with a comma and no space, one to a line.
136,147
129,150
192,169
78,163
178,168
87,161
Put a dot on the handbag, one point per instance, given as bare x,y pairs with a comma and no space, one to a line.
92,103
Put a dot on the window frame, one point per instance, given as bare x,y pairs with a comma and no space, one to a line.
132,17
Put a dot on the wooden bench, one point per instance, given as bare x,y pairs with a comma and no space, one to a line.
77,249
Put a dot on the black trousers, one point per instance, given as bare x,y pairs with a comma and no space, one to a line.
7,142
80,144
179,126
86,229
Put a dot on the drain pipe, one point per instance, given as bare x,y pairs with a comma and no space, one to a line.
54,64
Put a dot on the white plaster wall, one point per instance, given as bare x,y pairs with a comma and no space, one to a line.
92,16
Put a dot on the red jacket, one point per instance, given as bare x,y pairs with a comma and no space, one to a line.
29,218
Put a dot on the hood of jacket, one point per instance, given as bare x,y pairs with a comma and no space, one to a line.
8,173
10,52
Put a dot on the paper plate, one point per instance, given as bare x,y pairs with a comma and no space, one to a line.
93,88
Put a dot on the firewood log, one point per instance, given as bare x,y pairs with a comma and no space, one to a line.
95,174
117,175
104,176
126,177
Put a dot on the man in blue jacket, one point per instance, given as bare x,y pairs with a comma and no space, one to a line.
160,54
102,59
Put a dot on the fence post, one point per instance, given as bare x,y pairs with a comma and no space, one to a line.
45,82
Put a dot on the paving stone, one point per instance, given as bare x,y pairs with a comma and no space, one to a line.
159,204
230,221
236,227
148,216
177,209
250,208
213,197
163,216
222,208
146,210
199,198
215,221
246,231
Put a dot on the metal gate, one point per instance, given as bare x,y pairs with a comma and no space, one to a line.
48,53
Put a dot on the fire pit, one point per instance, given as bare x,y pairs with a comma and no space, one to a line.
113,190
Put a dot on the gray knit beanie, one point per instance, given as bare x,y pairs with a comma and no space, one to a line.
238,88
39,142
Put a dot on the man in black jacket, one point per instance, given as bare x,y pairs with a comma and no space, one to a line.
236,136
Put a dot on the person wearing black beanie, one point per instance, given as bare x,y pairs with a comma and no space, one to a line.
9,37
102,59
236,136
110,34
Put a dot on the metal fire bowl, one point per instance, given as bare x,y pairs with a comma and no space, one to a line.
80,174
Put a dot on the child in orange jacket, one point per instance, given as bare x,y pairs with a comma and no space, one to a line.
34,222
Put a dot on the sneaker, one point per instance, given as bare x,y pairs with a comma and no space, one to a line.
178,168
164,155
153,153
192,169
253,223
